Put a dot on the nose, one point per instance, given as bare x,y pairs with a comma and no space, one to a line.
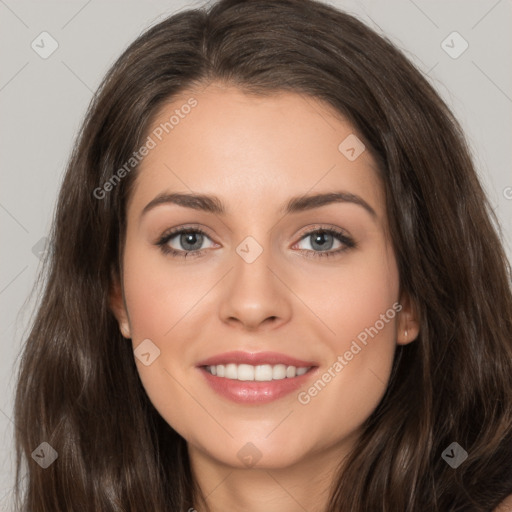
255,294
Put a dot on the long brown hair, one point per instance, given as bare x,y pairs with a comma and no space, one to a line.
78,387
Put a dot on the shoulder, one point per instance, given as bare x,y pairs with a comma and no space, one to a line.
505,506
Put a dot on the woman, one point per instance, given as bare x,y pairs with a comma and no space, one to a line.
337,335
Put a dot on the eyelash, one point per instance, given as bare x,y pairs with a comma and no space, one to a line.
342,237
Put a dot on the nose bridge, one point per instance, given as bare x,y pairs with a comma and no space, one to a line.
254,294
252,276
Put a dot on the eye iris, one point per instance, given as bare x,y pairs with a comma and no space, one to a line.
195,239
319,240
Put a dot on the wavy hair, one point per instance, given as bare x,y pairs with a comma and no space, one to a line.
78,388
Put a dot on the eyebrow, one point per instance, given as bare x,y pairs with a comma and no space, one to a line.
213,204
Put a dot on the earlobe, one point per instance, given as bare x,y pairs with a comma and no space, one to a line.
124,327
118,308
408,321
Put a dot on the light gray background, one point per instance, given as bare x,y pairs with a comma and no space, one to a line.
42,103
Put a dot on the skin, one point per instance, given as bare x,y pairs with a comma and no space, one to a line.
255,153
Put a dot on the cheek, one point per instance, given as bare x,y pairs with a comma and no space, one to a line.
362,311
159,295
357,297
162,302
367,322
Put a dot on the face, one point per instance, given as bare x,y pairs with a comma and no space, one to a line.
266,283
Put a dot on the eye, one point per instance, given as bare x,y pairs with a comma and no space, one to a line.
190,239
322,240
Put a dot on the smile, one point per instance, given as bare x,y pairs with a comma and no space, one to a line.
260,373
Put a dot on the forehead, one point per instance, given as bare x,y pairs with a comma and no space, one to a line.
254,151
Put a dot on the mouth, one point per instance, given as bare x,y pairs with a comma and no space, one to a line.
262,377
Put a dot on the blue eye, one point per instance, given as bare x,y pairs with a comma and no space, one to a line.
324,239
192,239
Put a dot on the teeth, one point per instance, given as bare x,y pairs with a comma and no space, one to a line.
279,371
231,371
261,373
244,372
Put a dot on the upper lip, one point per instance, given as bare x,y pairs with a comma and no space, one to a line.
255,358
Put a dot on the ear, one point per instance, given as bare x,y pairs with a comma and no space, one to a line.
408,324
118,307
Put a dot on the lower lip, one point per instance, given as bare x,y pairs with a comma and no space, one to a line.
249,392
